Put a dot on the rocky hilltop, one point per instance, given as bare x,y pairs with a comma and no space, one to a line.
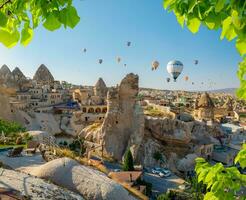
43,75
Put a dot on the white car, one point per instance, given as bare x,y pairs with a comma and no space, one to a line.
164,173
156,170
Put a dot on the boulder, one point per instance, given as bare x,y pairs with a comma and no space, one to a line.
90,183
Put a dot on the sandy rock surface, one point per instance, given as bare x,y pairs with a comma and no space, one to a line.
90,183
34,188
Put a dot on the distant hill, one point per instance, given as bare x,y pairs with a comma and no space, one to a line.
225,90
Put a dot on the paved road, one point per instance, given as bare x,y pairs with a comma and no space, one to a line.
161,185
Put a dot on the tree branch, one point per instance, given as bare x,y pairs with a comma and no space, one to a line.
5,3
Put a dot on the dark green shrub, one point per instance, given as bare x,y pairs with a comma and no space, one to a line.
128,164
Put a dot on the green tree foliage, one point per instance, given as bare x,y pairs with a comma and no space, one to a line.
128,164
222,183
19,18
10,127
227,15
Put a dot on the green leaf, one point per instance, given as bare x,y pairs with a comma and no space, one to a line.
220,5
52,23
213,21
228,29
241,46
192,5
3,19
167,3
202,175
210,196
69,17
26,35
9,39
193,24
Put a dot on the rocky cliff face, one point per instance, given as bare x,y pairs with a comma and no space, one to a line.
168,130
124,123
5,110
43,75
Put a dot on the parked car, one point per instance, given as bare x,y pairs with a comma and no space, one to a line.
117,170
162,172
165,173
156,170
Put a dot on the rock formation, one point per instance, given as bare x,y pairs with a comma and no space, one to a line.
34,188
100,89
205,108
5,72
91,184
124,120
43,75
19,79
5,109
228,105
168,130
6,78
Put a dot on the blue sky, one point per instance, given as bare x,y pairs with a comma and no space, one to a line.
104,29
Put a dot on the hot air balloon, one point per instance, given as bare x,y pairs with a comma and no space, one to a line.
196,62
192,83
128,43
175,68
155,65
186,78
100,61
125,65
168,80
118,59
84,50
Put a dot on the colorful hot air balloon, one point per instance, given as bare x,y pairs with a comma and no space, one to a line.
118,59
168,80
175,68
186,78
100,61
155,65
196,62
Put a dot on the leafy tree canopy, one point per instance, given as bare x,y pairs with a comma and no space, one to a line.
227,15
222,182
18,18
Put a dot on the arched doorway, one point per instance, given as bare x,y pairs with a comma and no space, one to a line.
98,110
90,110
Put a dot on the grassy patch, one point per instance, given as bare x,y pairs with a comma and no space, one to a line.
153,112
2,146
82,160
94,126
